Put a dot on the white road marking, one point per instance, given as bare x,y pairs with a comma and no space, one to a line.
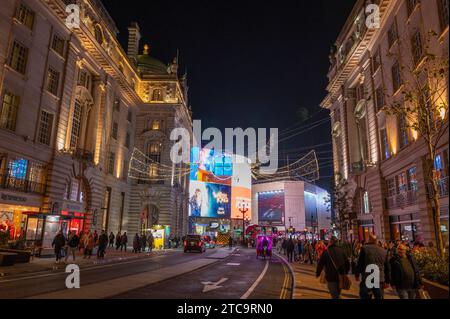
233,264
256,283
213,285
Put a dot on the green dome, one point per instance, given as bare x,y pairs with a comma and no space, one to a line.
150,65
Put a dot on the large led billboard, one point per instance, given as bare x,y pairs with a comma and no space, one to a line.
214,172
209,200
271,207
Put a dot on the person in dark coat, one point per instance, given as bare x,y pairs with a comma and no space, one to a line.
111,240
58,243
143,242
230,242
136,243
290,250
123,241
336,263
404,275
150,242
118,240
372,254
102,244
72,242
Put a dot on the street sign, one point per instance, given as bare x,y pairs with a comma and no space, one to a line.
208,285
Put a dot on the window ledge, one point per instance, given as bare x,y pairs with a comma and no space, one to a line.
14,71
56,98
21,25
58,55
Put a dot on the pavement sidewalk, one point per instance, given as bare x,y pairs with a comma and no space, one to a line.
44,264
307,286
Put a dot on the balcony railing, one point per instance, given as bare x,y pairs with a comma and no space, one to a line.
442,187
21,185
402,200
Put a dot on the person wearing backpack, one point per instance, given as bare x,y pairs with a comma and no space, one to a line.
336,265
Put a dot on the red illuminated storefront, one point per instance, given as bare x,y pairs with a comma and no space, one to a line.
42,228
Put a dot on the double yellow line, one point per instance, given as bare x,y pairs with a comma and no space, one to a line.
285,289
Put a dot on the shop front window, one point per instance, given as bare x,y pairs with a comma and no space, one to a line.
408,232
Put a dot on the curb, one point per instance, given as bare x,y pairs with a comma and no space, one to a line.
294,286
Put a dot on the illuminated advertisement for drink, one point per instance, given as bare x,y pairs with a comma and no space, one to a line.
209,200
271,207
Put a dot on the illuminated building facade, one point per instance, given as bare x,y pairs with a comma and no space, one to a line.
381,156
291,205
73,108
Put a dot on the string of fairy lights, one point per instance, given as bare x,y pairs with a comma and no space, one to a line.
145,168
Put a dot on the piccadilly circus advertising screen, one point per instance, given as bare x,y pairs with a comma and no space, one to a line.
220,184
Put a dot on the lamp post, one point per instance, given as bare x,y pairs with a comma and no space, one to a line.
243,209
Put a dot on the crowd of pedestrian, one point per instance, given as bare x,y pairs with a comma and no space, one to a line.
335,260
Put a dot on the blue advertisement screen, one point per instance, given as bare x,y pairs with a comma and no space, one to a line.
271,206
209,200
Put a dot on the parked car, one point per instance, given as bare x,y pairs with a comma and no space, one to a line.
194,243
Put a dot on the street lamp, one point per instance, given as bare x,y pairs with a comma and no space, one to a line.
243,208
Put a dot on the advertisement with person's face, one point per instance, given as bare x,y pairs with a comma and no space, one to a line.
271,206
209,200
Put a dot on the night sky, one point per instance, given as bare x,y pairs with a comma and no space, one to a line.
249,64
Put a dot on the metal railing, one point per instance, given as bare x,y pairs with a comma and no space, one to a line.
21,185
402,200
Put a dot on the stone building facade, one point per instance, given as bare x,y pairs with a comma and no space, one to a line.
75,109
383,159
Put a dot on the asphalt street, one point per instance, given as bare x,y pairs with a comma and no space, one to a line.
241,275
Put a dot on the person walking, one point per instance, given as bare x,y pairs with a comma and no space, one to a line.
150,242
143,242
320,248
308,253
81,238
230,242
102,244
72,242
335,263
136,243
372,255
89,245
284,246
95,237
111,240
124,241
300,250
404,276
290,249
118,240
58,244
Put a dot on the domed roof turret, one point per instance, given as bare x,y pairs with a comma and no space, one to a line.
150,65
